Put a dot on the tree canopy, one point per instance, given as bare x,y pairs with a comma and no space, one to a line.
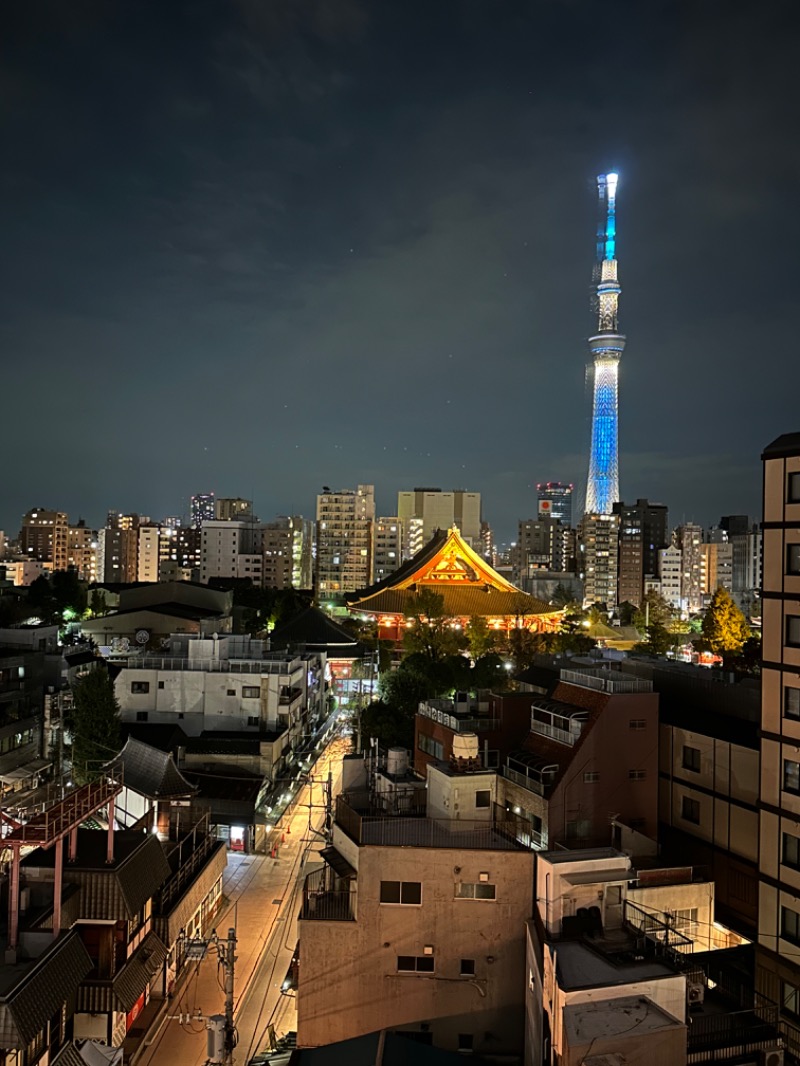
724,626
93,722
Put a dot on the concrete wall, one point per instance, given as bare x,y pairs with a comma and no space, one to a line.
365,992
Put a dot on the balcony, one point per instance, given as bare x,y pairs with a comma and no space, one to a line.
531,772
324,902
558,721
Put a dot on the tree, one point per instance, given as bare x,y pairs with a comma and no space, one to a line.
654,611
658,642
724,626
390,726
432,632
562,597
481,638
94,723
98,605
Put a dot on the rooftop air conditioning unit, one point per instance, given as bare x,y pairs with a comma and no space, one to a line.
772,1056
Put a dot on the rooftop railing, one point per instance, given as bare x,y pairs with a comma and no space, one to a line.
606,681
222,666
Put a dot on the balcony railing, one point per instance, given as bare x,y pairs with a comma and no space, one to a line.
373,826
721,1037
533,784
323,902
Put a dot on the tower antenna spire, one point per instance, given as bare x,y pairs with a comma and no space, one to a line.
606,347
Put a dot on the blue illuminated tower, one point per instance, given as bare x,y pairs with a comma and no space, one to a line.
606,346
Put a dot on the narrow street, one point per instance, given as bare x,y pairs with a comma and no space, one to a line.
262,899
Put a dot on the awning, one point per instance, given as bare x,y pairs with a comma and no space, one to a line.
338,863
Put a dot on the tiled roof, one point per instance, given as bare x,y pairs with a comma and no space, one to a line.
462,601
41,991
121,993
117,890
151,772
313,628
159,735
68,1056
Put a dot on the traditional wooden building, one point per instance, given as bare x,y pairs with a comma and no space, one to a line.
468,585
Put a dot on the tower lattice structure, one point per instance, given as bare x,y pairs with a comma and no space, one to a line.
606,347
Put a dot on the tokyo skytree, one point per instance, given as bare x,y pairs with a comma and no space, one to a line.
606,346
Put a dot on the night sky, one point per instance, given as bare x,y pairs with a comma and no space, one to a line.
256,247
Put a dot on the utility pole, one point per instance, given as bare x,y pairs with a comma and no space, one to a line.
222,1034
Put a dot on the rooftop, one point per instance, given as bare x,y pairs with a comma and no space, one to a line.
585,1023
580,966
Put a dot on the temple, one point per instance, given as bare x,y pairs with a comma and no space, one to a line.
468,585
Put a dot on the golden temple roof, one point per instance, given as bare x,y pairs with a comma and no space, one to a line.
466,582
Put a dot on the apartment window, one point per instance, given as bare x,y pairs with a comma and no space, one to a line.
793,488
790,925
637,775
415,964
140,688
467,968
791,776
475,890
793,630
141,716
790,853
791,702
251,692
793,559
252,719
465,1042
690,810
231,692
591,776
637,723
407,893
430,746
790,999
685,918
483,798
161,684
691,759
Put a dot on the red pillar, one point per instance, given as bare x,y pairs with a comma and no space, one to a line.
110,847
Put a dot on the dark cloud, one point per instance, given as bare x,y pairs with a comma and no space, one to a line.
258,247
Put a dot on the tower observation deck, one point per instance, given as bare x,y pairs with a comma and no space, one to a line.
606,347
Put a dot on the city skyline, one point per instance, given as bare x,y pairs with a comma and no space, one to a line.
284,239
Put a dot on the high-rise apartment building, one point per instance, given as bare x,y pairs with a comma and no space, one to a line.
118,547
45,536
82,546
670,573
388,547
541,545
778,948
689,538
717,563
555,501
598,555
232,509
231,550
642,535
423,511
288,552
203,509
345,539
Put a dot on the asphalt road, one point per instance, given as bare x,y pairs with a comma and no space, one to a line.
262,901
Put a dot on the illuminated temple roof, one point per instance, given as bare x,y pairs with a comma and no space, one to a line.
466,582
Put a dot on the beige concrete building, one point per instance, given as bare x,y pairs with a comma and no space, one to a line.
424,916
598,557
345,540
424,511
778,953
45,536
